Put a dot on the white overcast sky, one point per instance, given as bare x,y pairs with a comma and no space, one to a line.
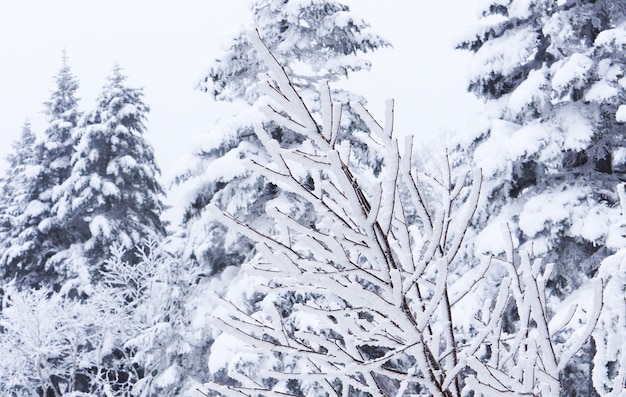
165,46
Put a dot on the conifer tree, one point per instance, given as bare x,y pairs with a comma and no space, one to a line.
324,36
323,41
113,195
552,73
19,188
218,173
36,237
18,182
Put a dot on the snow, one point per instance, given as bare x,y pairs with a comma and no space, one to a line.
60,163
492,155
508,141
169,376
542,211
594,225
618,159
110,189
511,142
223,349
95,181
611,38
495,56
616,238
127,110
527,140
610,333
529,92
35,208
122,164
119,129
568,211
576,128
609,71
559,28
620,115
521,9
100,226
228,127
622,82
494,238
344,19
601,92
480,27
570,72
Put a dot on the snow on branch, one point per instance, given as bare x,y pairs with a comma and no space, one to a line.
363,292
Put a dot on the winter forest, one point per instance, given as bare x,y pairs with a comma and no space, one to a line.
319,251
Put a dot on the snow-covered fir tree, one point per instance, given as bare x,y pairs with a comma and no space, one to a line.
19,188
86,190
321,40
552,73
113,195
35,236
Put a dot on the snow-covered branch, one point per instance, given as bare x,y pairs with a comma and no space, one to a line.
364,293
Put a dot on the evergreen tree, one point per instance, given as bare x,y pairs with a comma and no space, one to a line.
36,237
19,188
552,73
112,195
323,36
218,173
323,41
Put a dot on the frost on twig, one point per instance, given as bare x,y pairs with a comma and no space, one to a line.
363,297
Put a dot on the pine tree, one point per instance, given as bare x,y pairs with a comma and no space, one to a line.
19,189
323,36
18,182
323,41
113,195
36,237
218,173
553,77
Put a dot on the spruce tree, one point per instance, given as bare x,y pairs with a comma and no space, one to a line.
323,36
323,41
36,237
18,182
218,173
552,73
112,195
19,189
